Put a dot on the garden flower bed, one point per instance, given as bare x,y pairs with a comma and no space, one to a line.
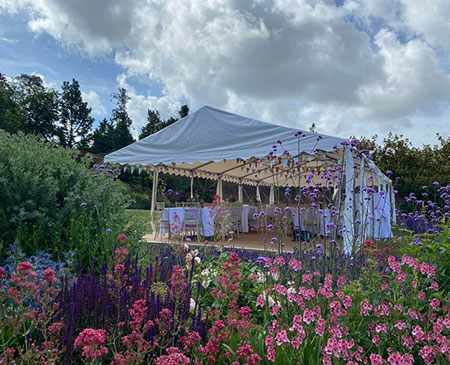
181,305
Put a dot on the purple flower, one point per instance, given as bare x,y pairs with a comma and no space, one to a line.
108,230
83,204
388,172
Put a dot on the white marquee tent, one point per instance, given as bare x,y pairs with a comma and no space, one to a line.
215,144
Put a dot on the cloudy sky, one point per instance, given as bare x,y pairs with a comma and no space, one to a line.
353,67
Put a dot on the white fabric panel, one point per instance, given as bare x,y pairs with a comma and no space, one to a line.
349,203
272,195
393,212
362,208
382,213
258,194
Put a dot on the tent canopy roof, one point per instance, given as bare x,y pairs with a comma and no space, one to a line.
211,142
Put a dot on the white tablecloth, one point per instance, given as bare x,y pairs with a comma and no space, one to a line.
318,220
247,215
206,220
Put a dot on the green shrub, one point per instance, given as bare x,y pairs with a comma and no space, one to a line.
140,201
434,249
53,200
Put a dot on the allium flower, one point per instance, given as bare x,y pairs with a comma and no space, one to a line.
83,204
108,230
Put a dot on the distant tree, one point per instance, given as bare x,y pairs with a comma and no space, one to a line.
11,120
184,111
121,135
412,167
76,121
101,138
153,122
38,105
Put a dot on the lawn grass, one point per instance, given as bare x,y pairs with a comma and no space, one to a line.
142,215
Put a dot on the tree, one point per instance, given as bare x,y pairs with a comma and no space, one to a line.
184,111
121,135
101,138
75,119
11,120
38,105
153,123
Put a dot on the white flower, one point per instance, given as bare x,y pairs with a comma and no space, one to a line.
192,305
275,275
205,272
291,290
205,283
197,260
261,278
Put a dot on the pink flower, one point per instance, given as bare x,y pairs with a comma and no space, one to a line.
24,268
308,316
435,303
122,238
282,337
400,325
376,359
260,301
91,341
320,327
173,357
434,286
271,354
49,275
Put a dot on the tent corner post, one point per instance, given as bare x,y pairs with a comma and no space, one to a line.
154,190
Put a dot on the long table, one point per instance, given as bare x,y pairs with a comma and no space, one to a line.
206,219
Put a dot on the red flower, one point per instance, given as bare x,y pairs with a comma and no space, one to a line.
369,245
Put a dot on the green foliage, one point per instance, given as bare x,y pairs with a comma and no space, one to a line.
75,119
38,105
155,123
53,200
413,166
121,135
209,270
434,249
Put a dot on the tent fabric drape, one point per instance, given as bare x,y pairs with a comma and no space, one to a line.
219,189
348,214
272,195
154,189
